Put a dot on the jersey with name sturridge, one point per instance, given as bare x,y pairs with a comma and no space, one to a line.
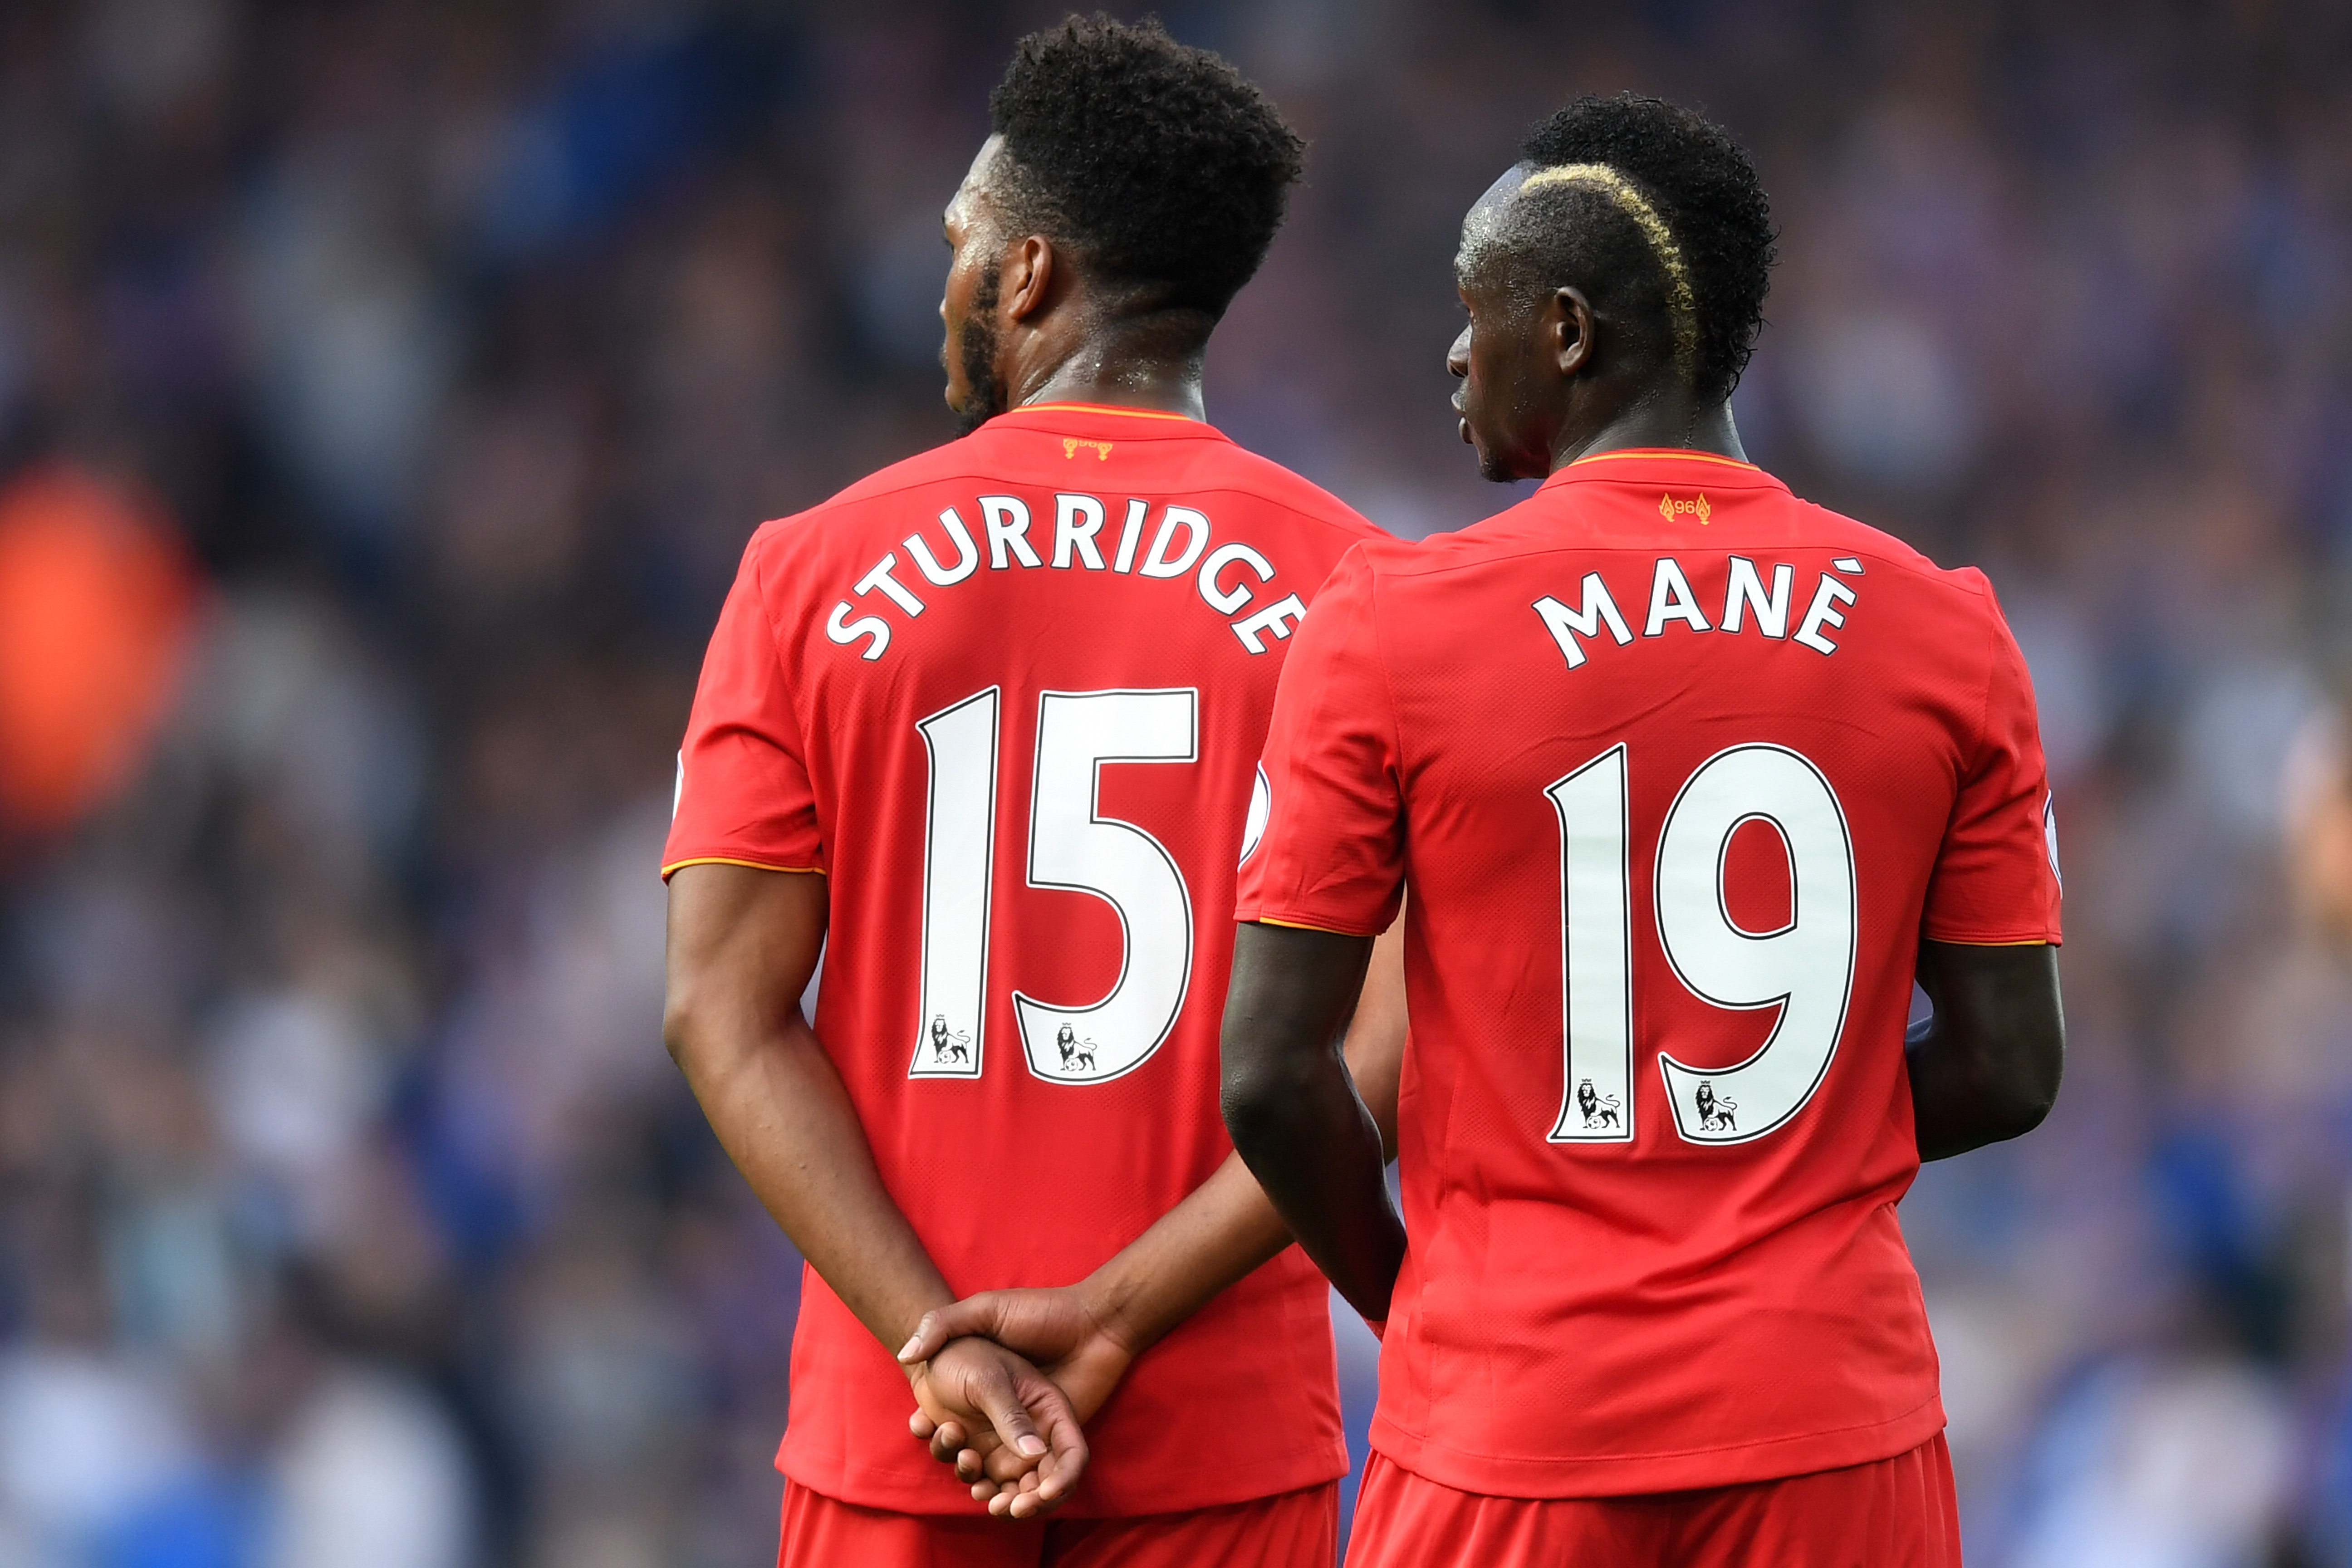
1009,696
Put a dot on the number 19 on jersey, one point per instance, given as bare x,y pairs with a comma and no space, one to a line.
1805,968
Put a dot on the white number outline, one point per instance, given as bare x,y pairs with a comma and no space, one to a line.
1618,1076
1021,1002
1668,1065
926,1003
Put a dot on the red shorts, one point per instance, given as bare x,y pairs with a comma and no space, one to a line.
1891,1513
1292,1529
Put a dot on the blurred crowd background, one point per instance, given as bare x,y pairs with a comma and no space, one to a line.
388,386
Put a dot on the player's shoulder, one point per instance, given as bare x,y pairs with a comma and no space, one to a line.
1231,466
1814,522
833,521
943,464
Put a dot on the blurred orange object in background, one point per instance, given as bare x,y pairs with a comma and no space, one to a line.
97,601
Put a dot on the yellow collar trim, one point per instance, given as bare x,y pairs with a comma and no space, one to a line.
1681,453
1102,408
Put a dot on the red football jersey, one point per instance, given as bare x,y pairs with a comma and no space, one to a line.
1010,696
1677,769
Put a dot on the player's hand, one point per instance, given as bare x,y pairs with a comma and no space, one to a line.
1016,1412
1066,1331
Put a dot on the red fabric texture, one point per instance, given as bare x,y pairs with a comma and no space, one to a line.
1017,1164
1294,1530
1897,1513
1668,1301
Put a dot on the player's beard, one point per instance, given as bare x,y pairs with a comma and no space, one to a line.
976,347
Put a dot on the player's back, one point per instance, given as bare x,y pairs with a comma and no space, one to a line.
1028,677
1684,765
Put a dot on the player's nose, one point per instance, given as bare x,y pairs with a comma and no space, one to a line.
1457,358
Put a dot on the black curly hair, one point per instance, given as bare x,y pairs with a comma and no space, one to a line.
1158,164
1711,243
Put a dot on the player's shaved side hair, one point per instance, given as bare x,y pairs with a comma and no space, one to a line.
1658,215
1162,169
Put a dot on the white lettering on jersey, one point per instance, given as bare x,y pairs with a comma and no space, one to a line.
1196,530
1076,519
1181,542
967,553
891,587
1270,619
1131,536
1824,612
1673,601
1746,590
1007,520
842,630
1586,621
1228,601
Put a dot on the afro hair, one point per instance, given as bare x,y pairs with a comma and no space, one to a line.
1157,163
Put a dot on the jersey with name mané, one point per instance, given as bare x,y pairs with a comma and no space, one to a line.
1678,770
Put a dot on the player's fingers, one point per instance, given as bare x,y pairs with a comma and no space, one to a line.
971,1467
958,1320
948,1441
1005,1467
1066,1454
921,1425
1001,1403
1031,1501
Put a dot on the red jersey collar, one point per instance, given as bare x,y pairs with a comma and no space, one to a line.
1652,465
1133,423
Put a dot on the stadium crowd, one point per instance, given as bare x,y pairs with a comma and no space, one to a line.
416,372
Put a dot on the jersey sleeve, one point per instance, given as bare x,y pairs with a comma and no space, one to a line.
1331,855
1996,879
744,793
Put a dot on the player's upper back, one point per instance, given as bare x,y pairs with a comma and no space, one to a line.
987,680
1099,531
1679,604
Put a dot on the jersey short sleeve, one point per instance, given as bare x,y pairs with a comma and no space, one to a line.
1996,876
743,790
1332,853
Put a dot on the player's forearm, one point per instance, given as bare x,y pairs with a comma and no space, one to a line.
1222,1230
1293,1109
1315,1151
1226,1229
780,1111
1986,1067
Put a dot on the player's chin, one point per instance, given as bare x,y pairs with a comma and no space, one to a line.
1491,468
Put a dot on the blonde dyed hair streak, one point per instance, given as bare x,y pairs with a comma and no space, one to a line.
1682,305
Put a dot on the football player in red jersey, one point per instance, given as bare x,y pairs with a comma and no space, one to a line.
987,725
1688,779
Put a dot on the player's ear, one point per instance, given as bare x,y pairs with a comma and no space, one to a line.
1028,277
1568,330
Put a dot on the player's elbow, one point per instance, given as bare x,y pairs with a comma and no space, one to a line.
2031,1090
1255,1097
683,1016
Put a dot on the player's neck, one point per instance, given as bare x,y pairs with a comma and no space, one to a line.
1163,386
1153,363
1659,422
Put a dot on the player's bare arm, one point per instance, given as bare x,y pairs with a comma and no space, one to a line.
1086,1335
743,944
1987,1066
1296,1111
